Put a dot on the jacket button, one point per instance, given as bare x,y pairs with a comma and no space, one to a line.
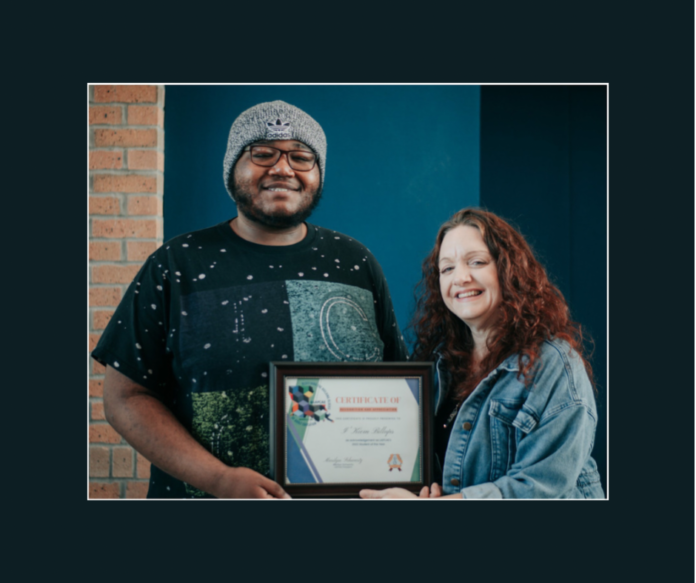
454,482
466,426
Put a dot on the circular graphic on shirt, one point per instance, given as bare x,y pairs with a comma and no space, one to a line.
347,331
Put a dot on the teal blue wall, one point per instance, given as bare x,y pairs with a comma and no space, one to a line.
400,161
543,167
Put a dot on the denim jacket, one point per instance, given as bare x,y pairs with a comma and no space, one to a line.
512,441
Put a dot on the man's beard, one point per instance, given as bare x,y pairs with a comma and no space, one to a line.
252,211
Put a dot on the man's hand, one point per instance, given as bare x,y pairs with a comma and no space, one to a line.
246,483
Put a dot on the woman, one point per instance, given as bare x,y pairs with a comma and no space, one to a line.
516,414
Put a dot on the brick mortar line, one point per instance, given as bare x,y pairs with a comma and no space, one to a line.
129,240
115,239
127,148
92,193
92,130
124,286
124,194
105,240
101,217
118,261
134,217
122,171
126,217
93,239
125,239
127,103
120,477
125,126
159,88
110,193
102,126
124,110
112,263
100,480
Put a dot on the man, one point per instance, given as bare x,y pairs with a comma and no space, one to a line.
187,350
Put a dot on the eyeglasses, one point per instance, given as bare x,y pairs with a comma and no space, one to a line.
300,160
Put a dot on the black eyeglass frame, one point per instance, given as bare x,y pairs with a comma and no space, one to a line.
286,152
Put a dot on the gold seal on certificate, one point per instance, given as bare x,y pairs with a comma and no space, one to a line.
339,427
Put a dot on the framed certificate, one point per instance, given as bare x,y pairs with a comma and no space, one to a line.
337,428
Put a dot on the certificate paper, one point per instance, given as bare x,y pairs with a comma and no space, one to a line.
342,431
337,428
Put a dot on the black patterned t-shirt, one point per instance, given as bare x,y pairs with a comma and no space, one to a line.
209,310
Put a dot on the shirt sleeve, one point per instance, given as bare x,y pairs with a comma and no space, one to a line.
135,340
389,331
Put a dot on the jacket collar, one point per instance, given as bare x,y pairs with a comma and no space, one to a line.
511,363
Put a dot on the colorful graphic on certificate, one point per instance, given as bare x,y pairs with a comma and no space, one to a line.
343,431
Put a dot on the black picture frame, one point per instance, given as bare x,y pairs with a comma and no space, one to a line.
279,371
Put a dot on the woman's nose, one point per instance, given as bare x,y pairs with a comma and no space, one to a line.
462,275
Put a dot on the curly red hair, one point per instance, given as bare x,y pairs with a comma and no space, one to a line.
532,310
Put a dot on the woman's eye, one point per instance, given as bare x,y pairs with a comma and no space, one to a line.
445,269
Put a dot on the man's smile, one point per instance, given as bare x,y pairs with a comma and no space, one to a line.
280,187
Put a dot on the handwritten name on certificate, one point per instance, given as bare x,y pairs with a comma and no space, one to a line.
343,430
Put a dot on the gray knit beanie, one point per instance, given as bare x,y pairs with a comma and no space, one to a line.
275,120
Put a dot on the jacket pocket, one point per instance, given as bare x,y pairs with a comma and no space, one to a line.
509,423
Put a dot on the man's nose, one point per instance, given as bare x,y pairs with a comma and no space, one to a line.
282,166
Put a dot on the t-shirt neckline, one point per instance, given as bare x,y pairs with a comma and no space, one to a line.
228,233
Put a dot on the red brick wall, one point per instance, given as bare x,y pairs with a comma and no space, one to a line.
126,174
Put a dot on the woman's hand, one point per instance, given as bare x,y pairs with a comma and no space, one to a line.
391,493
435,490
